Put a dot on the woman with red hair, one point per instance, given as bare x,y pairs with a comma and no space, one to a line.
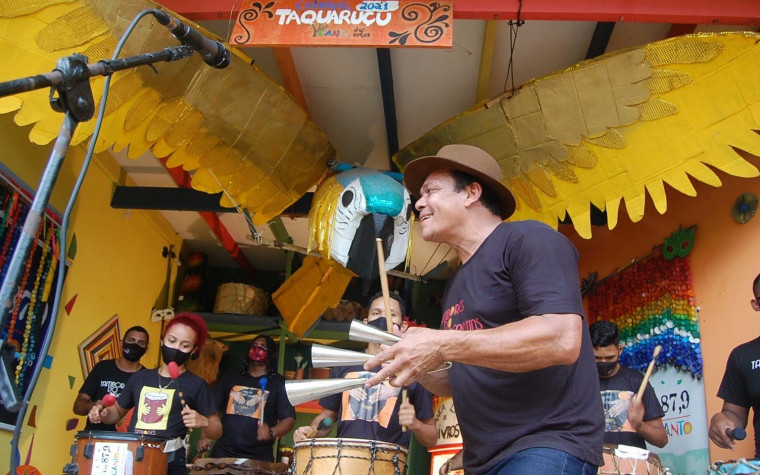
167,404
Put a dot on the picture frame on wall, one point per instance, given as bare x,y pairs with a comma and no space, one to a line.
103,344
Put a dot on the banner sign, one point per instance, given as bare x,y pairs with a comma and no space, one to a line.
344,23
683,402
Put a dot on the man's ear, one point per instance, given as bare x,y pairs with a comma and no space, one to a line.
474,191
755,305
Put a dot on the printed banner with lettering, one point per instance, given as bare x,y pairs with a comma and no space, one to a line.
449,440
652,302
683,401
344,23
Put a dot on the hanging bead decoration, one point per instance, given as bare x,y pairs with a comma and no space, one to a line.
652,302
20,295
27,319
8,231
35,301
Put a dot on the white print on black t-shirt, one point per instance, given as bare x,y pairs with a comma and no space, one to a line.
113,387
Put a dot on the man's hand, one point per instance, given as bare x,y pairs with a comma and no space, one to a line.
299,435
636,413
409,360
407,416
96,413
720,426
204,443
263,432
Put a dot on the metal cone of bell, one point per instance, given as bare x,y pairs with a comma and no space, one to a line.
301,391
326,356
362,332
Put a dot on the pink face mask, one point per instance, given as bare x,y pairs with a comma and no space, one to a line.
258,354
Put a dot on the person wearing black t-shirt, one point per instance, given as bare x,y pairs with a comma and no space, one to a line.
155,394
740,389
254,405
627,419
377,413
522,379
110,376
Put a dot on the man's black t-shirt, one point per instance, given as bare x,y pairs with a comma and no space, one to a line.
238,397
105,378
523,268
157,402
372,413
741,382
617,392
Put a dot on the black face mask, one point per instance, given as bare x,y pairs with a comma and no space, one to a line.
379,323
606,369
132,351
173,354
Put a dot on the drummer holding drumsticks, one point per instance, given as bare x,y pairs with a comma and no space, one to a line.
169,405
628,419
376,413
740,390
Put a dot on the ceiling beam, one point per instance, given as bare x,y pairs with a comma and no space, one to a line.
600,39
290,80
389,103
186,199
486,60
726,12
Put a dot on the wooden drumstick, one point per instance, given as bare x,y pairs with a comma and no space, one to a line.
644,382
384,284
404,399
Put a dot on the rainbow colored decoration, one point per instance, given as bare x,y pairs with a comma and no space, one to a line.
652,302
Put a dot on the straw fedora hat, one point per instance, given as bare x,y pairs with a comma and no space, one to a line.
466,158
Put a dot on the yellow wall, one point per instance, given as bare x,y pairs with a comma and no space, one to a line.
118,269
725,260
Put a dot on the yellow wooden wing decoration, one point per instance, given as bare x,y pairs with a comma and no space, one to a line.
618,126
233,128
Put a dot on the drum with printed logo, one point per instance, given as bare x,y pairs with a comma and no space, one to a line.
626,460
98,452
348,457
735,466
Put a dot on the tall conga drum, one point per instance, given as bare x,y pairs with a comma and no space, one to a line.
97,452
348,457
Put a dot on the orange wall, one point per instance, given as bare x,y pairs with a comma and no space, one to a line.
725,260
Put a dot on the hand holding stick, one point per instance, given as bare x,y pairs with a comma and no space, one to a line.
644,382
324,424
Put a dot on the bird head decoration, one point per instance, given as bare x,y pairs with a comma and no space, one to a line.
349,212
354,208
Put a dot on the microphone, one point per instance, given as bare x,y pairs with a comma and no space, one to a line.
213,52
737,434
324,424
